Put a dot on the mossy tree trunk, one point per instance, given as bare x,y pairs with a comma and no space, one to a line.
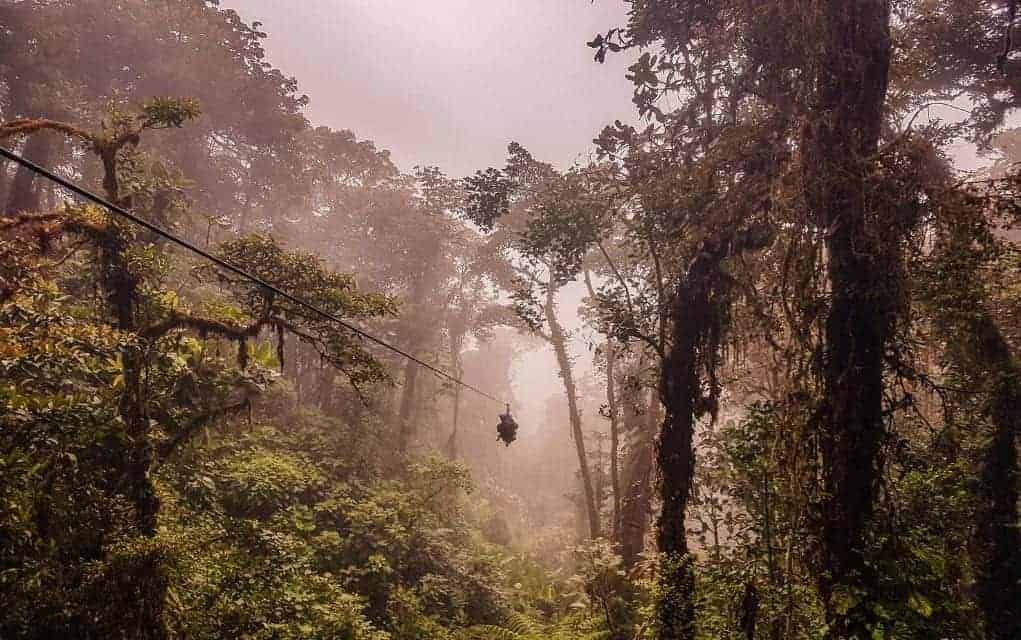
693,317
636,506
841,139
25,191
998,530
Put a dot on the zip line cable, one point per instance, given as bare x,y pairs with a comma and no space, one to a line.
88,195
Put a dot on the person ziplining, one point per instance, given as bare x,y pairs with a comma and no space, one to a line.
507,428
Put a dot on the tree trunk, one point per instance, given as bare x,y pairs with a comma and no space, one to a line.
637,504
611,402
695,331
416,327
997,534
327,386
456,344
121,285
559,341
699,306
452,441
614,411
4,182
404,417
997,539
840,138
748,611
25,192
680,388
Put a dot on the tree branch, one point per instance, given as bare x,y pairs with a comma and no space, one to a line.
25,126
178,320
169,447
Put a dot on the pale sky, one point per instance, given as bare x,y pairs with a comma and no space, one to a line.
451,82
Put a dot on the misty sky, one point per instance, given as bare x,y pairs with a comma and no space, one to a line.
451,82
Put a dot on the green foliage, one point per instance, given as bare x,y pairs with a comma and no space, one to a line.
277,516
169,112
519,627
302,272
60,434
606,589
198,458
488,199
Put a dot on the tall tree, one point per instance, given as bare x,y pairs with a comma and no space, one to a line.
841,140
125,276
530,204
960,286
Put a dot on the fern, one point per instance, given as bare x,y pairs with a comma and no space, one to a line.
521,627
517,626
491,632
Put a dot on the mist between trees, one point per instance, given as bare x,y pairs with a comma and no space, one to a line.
787,405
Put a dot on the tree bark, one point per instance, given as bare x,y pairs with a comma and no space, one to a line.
697,312
25,191
405,423
121,285
559,341
997,537
637,504
749,611
416,327
983,355
840,139
680,389
456,343
614,411
611,402
4,182
452,450
327,380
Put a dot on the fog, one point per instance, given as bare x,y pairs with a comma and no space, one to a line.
444,83
525,319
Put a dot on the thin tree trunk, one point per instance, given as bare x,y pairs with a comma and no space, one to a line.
122,287
404,417
4,183
456,343
599,464
559,341
452,443
327,379
637,504
611,401
840,138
